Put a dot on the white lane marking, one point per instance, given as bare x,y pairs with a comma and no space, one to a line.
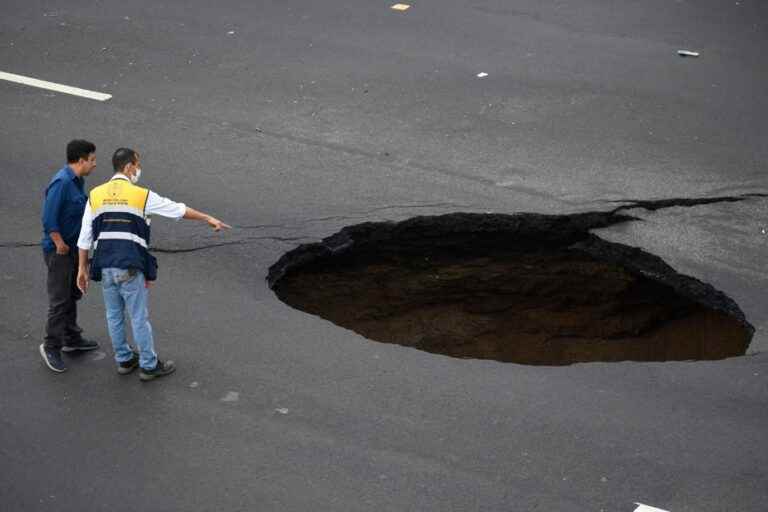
51,86
646,508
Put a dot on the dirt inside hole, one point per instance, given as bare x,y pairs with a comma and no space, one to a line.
546,305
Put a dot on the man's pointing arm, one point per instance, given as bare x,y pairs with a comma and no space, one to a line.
157,205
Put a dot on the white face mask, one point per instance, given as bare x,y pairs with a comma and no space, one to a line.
135,177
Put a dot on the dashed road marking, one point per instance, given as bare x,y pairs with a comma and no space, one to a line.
646,508
51,86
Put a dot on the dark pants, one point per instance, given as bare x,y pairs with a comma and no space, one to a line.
63,295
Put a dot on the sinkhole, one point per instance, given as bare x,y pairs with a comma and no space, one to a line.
524,288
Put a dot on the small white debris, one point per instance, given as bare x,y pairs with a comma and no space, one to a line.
762,231
127,18
231,396
194,384
687,53
482,75
603,479
401,7
281,411
98,356
231,33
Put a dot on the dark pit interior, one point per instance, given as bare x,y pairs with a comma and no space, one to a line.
531,301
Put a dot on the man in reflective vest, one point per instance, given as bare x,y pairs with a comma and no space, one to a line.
116,225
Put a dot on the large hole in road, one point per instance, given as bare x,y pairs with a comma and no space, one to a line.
526,288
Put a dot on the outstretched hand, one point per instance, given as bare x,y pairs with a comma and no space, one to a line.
217,225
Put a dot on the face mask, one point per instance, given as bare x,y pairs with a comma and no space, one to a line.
135,178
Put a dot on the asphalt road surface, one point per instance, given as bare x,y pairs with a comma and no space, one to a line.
292,119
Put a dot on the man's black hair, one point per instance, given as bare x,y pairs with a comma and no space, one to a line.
78,149
123,157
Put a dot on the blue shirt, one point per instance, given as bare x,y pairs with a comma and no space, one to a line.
63,208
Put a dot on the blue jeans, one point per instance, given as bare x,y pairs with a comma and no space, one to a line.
123,288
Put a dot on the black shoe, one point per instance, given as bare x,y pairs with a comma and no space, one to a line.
128,366
161,369
80,344
52,359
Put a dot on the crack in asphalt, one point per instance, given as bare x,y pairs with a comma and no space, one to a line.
650,205
405,163
384,157
13,245
245,241
658,204
350,217
361,214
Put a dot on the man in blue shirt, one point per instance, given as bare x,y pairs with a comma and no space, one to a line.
63,209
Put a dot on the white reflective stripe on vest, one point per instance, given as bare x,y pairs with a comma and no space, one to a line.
118,209
120,235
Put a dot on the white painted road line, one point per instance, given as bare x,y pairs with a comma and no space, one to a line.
646,508
66,89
